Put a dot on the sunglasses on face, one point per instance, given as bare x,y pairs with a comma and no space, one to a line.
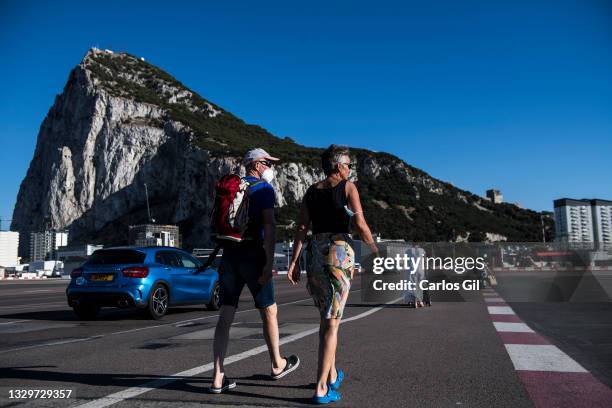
348,165
266,163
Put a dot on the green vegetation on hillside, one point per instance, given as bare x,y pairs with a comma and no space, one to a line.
394,207
224,134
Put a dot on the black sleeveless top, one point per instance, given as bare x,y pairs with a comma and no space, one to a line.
326,208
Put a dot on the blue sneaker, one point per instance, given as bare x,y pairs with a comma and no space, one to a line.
339,377
331,396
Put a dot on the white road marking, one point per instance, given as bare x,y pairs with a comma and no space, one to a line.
505,310
55,343
44,290
158,383
31,326
33,305
51,343
16,321
493,299
512,327
51,292
176,324
186,324
34,282
529,357
238,331
182,322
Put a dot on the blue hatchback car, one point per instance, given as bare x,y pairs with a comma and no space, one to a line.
149,278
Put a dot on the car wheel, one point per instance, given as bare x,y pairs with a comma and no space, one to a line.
214,299
158,302
86,312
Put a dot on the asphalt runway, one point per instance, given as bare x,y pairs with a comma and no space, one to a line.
448,355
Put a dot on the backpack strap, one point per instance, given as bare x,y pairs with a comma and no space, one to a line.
211,257
253,183
248,231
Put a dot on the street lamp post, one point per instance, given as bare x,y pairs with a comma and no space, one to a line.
147,197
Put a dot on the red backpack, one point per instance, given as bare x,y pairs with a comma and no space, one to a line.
229,217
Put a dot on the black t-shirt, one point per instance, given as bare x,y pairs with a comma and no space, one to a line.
326,208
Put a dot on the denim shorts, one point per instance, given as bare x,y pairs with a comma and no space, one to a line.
243,264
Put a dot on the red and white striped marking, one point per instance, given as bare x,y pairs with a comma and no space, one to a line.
551,377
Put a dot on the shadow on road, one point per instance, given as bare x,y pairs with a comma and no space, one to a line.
182,384
383,305
109,314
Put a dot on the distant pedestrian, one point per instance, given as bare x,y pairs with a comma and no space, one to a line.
329,205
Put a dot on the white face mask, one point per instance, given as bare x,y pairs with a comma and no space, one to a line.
268,175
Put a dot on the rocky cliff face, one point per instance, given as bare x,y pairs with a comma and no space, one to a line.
121,123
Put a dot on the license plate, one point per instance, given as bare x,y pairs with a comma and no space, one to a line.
101,278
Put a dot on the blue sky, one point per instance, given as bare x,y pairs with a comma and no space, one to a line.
509,95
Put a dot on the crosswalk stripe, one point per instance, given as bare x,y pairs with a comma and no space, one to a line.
538,357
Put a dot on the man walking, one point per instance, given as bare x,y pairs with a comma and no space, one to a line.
250,262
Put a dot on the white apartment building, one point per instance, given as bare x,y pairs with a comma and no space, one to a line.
587,222
43,244
9,243
602,222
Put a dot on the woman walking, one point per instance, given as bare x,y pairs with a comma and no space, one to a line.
329,205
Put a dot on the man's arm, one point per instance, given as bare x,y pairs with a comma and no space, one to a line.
269,227
294,273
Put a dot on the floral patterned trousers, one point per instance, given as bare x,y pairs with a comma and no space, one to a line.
329,266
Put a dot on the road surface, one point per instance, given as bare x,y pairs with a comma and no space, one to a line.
451,354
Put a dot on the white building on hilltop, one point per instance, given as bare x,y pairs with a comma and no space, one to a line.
9,243
495,196
585,222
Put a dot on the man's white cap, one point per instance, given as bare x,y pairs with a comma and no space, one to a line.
257,154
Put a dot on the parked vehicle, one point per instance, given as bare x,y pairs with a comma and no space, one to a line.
148,278
49,269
